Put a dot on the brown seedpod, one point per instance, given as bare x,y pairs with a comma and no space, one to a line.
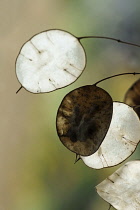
83,119
132,96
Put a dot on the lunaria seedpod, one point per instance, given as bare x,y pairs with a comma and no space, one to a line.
50,60
132,96
121,139
83,119
122,188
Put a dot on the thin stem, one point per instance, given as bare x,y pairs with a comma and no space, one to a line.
110,207
110,38
19,89
116,75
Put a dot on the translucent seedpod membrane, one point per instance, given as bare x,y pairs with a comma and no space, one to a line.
50,60
83,119
132,96
122,188
121,139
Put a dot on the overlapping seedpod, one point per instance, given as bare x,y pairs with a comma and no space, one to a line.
83,119
120,141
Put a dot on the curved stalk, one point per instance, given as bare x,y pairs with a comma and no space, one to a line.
19,89
116,75
110,38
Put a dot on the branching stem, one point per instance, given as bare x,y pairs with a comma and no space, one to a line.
110,38
116,75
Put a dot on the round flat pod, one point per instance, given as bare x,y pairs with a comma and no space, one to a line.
50,60
132,96
83,119
122,188
121,139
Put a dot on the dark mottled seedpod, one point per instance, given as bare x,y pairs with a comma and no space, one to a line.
132,96
83,119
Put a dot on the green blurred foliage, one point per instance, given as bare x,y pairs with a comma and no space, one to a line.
37,171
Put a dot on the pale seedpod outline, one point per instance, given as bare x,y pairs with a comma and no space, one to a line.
78,40
71,82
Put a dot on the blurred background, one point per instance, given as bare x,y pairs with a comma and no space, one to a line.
36,171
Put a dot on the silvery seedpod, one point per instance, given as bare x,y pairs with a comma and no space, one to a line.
122,188
121,139
83,119
50,60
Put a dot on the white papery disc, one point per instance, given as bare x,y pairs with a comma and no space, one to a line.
50,60
122,188
120,141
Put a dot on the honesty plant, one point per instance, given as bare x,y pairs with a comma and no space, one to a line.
51,60
102,132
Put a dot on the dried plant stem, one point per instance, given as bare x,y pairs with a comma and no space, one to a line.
116,75
19,89
110,38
